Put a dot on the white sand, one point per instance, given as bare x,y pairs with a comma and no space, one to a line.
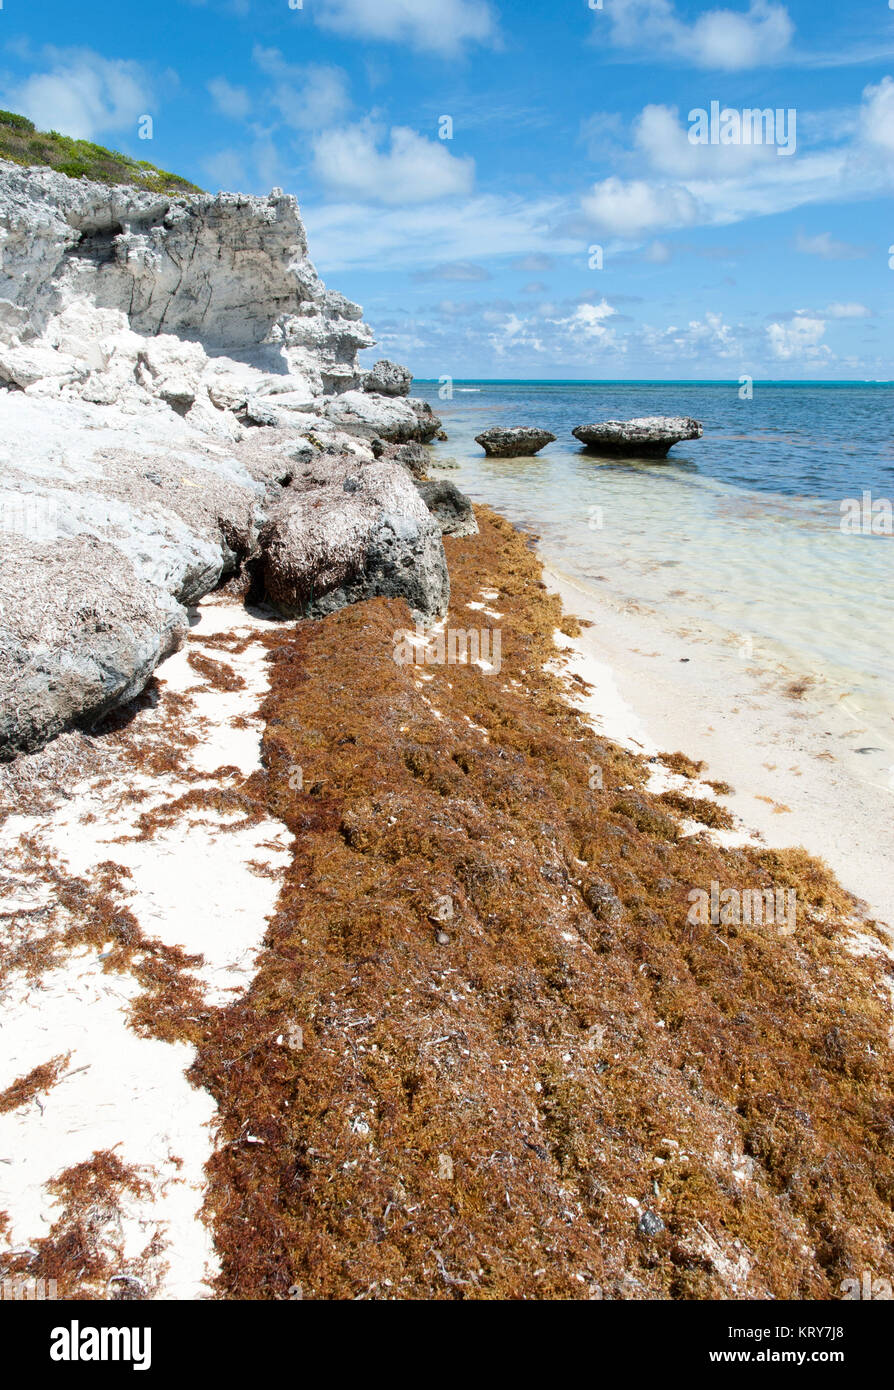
191,885
792,764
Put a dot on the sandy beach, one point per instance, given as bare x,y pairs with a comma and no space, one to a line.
202,885
796,774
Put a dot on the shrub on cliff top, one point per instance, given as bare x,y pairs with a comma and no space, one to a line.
22,143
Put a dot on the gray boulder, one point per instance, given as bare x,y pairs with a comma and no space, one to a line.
365,535
388,379
451,508
414,457
80,632
513,443
649,436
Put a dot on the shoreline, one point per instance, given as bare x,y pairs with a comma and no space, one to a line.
381,1050
668,690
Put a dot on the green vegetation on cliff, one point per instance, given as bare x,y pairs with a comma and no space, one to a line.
22,143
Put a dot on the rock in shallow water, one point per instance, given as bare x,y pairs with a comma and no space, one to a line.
648,436
513,443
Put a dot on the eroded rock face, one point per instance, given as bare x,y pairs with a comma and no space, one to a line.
354,533
117,293
513,443
649,436
172,373
392,419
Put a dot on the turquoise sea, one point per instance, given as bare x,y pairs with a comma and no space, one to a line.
738,533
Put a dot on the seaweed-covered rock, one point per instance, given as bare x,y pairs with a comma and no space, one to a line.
520,442
648,436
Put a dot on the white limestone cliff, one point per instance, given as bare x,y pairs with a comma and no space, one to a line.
175,378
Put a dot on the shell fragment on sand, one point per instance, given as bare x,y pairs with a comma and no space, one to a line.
648,436
513,443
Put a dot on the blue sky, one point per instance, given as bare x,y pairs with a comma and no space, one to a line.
473,256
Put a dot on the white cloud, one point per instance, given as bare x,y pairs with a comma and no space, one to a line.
801,337
697,340
84,95
308,97
847,311
627,208
516,335
660,135
878,114
435,26
588,319
346,235
676,183
726,39
230,101
824,245
411,170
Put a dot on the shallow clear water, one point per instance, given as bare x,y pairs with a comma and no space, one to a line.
738,533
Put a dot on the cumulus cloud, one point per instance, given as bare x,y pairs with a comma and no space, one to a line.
725,39
308,96
516,335
697,339
676,183
230,101
800,338
411,169
661,136
83,94
629,207
588,321
434,26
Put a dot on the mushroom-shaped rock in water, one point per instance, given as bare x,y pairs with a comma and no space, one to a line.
522,442
649,436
